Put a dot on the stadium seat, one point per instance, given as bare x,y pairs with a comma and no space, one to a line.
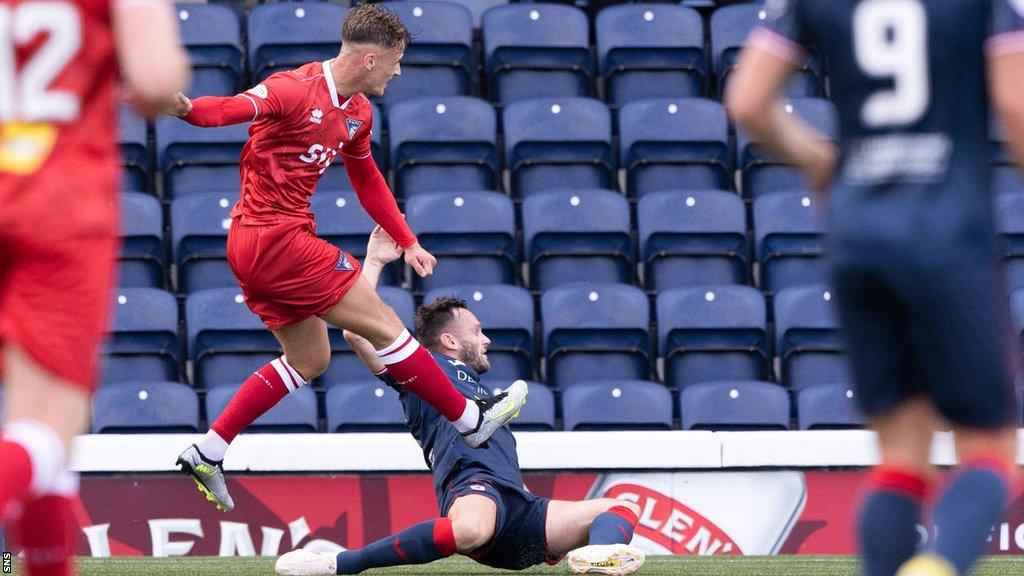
199,233
651,51
712,333
807,340
730,26
476,8
142,262
134,144
145,408
537,50
295,413
538,414
761,173
143,344
212,35
617,405
595,330
226,342
440,61
553,143
195,159
1010,210
473,234
506,314
286,35
828,406
692,238
364,406
577,234
1017,309
738,405
788,232
673,144
345,366
341,220
335,178
444,145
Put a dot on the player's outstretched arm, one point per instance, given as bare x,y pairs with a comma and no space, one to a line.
207,111
381,250
153,63
1006,85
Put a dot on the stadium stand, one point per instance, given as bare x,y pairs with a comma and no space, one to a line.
285,35
213,37
828,406
133,140
617,405
739,405
341,220
143,344
145,408
226,342
364,406
807,340
1010,212
195,159
788,240
199,232
142,262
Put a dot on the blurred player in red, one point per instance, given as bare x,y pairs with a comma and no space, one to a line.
59,168
302,121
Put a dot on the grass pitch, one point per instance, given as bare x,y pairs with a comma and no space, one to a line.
656,566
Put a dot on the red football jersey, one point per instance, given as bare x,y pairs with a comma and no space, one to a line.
59,162
300,123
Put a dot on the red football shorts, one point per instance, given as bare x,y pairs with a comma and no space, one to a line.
286,272
55,300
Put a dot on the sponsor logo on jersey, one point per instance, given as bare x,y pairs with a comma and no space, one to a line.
456,362
353,126
258,90
316,116
343,263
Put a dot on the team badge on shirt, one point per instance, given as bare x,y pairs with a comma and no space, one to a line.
353,125
343,263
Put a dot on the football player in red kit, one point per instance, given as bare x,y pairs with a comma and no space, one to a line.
59,168
302,121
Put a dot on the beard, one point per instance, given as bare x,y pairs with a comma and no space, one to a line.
476,360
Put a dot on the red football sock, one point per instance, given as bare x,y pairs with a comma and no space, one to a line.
416,371
258,394
47,533
15,477
31,458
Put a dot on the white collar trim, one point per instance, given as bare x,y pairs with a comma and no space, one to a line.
332,88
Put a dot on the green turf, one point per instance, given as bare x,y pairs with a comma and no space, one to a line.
656,566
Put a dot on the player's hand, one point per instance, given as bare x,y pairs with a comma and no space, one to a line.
382,249
422,262
182,106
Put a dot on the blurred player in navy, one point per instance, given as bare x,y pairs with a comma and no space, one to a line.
913,243
487,513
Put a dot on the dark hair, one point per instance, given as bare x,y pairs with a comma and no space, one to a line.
372,24
432,319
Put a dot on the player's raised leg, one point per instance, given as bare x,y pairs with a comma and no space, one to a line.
595,534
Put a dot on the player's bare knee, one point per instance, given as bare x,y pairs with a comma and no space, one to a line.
310,365
471,532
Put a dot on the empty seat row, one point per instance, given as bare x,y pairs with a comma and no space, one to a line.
369,406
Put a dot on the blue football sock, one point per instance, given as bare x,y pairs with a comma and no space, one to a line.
419,544
970,506
613,527
888,520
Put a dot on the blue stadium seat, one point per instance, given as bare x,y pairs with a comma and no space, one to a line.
553,143
537,50
1017,309
287,35
595,330
143,344
335,178
199,234
132,138
364,406
226,342
341,220
195,159
807,338
1010,210
444,145
440,61
673,144
713,333
577,234
345,366
692,238
472,233
828,406
295,413
213,37
788,231
761,173
738,405
617,405
506,314
538,414
142,262
729,28
651,51
145,408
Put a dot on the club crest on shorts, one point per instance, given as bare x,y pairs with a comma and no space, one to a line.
353,126
343,263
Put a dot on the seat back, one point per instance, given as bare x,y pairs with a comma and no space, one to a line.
134,144
141,262
364,406
145,408
617,405
807,337
789,240
199,233
226,341
828,406
1010,212
734,405
143,342
289,34
212,36
196,159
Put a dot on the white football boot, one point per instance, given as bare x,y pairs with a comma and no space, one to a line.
306,563
614,559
